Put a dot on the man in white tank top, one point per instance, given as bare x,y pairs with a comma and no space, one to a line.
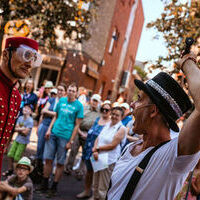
161,101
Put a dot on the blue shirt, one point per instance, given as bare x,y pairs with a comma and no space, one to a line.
126,120
47,120
67,113
28,123
91,137
30,99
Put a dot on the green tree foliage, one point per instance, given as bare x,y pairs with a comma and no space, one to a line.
47,15
141,72
177,22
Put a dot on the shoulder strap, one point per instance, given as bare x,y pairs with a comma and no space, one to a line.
189,185
129,190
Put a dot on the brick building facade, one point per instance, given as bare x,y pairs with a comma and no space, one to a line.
106,61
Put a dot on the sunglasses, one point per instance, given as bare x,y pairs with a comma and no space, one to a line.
104,110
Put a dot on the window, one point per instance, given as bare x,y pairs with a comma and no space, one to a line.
115,36
48,74
130,64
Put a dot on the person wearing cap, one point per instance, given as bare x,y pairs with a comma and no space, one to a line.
82,92
24,127
47,114
18,57
161,101
91,112
127,117
18,186
43,99
53,92
48,86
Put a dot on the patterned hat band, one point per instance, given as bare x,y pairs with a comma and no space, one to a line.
166,96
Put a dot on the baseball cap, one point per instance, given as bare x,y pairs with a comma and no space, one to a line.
96,97
54,90
125,105
48,84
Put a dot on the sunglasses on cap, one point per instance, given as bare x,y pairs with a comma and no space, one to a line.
27,54
104,110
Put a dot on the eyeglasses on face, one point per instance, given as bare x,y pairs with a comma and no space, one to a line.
104,110
22,168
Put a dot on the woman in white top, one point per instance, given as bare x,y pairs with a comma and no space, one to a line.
108,142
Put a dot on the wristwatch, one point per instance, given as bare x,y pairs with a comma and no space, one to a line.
97,149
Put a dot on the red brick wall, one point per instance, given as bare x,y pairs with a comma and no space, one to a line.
133,45
120,20
73,70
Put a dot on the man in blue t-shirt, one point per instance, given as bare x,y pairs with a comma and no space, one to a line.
60,136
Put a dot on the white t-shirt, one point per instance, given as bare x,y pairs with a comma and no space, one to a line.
173,134
106,137
163,177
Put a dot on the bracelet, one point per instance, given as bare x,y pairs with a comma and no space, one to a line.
188,58
71,142
97,150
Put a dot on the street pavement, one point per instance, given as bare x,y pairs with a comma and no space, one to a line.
68,187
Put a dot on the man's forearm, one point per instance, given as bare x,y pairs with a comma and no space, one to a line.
74,132
190,130
4,187
52,122
192,73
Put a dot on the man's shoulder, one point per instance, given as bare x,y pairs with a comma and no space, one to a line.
12,179
29,180
63,100
21,118
78,103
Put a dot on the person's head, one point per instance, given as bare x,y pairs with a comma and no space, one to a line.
53,92
29,85
19,57
23,168
61,90
105,110
95,101
161,101
27,109
47,88
44,82
117,114
115,104
125,107
82,90
72,91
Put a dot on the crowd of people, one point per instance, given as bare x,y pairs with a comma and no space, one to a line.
129,152
64,122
